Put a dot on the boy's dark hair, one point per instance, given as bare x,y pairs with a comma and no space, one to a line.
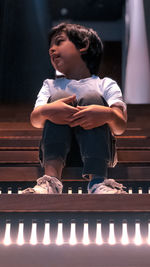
81,36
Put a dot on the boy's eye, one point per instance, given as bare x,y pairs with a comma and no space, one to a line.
58,41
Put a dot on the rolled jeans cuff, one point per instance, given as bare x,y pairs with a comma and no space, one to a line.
95,166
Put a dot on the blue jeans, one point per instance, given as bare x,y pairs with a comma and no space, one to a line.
94,144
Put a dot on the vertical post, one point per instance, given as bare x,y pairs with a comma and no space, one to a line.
137,81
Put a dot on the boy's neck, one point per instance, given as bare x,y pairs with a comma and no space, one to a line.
79,74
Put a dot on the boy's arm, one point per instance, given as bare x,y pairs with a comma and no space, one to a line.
118,120
59,112
92,116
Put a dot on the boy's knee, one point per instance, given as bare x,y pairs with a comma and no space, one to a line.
91,98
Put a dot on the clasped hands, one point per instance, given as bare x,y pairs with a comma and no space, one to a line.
87,117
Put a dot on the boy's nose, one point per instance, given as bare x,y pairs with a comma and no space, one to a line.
52,50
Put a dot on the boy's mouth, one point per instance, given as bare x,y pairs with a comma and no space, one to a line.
55,57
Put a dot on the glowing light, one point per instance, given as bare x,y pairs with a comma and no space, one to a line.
33,238
7,239
20,238
130,190
80,190
73,240
69,190
149,190
111,239
138,238
19,191
0,191
64,11
140,190
46,239
86,240
124,238
9,190
148,238
59,239
99,240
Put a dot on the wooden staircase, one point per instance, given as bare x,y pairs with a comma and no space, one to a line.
103,214
19,143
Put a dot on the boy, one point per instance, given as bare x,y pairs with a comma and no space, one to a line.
79,103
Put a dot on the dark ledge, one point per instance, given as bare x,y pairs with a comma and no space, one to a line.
75,203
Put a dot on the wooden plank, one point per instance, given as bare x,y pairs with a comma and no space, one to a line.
12,133
30,172
18,144
135,131
75,203
22,142
24,173
19,157
32,156
124,172
24,131
134,155
130,142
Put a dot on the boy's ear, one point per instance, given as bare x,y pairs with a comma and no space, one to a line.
84,49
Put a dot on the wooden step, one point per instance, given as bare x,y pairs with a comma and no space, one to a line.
75,202
25,129
31,172
31,156
24,142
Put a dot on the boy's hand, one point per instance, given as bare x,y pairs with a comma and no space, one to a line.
60,111
89,117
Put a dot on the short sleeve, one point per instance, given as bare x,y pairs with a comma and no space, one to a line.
43,94
112,93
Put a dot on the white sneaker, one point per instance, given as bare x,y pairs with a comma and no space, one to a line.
45,185
109,186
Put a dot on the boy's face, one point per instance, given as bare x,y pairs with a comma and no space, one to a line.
64,55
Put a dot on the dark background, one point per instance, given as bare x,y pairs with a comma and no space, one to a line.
24,25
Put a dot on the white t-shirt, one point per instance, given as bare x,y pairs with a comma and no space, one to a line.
106,87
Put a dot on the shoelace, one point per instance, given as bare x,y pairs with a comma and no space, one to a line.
113,184
107,185
50,182
105,188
